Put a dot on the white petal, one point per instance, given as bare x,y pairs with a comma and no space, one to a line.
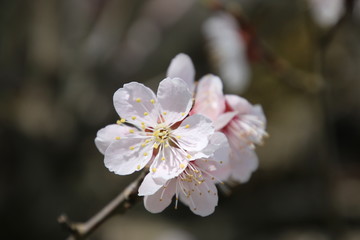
126,156
182,67
136,100
174,163
175,99
202,199
148,186
243,163
194,132
209,99
161,199
239,104
224,119
110,134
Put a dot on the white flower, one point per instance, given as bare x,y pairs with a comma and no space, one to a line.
195,186
162,135
242,123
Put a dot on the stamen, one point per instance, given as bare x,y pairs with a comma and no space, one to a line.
182,114
187,126
146,113
154,170
131,131
155,145
152,101
164,113
163,158
133,118
138,100
138,167
178,137
117,138
182,165
145,154
131,148
188,156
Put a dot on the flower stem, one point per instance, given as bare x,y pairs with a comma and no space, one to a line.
125,200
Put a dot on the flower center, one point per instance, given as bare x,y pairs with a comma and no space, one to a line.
161,133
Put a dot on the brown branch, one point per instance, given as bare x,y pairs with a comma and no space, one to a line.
125,200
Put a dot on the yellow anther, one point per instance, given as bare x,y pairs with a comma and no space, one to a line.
131,148
142,123
147,140
212,178
182,165
156,145
188,156
122,120
133,118
163,158
145,154
167,145
143,144
152,101
164,113
138,167
118,122
161,141
178,137
187,126
146,113
221,162
131,131
138,100
117,138
182,114
154,169
160,199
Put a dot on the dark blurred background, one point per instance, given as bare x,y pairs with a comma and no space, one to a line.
61,61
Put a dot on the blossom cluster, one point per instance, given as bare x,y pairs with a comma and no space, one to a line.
188,137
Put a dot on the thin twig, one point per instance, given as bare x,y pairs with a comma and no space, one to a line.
125,200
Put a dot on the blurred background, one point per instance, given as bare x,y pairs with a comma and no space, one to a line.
61,61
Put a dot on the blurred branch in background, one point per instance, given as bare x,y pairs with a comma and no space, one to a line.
125,200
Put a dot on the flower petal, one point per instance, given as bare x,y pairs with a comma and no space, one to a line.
209,99
136,103
175,99
243,163
110,134
169,163
127,156
161,199
148,186
239,104
224,119
201,198
182,67
193,133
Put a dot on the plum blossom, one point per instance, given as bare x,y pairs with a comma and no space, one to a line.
195,185
161,134
242,123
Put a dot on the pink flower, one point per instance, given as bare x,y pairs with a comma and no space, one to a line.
162,134
242,123
195,186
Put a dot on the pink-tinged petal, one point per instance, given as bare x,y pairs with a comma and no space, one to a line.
259,113
126,156
148,186
201,198
182,67
169,163
136,103
175,99
194,132
220,171
224,119
110,134
239,104
161,199
209,99
243,163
